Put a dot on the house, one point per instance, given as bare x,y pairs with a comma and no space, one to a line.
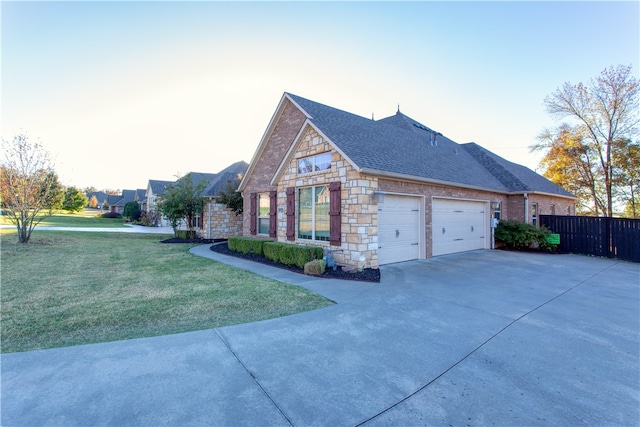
216,220
141,198
382,191
100,196
155,190
117,204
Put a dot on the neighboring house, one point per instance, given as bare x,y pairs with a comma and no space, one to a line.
141,198
101,196
118,205
153,194
216,220
385,190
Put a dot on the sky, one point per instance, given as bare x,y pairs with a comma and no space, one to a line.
123,92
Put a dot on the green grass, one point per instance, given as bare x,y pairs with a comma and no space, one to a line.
86,218
66,288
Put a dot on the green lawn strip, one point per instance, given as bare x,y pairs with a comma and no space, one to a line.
66,288
86,218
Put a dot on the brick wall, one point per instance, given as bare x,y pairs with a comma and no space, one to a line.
287,126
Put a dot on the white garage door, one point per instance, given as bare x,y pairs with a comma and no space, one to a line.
458,226
398,229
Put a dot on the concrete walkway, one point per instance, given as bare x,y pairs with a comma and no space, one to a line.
481,338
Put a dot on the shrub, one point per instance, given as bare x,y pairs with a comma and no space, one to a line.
518,235
291,254
315,267
132,211
247,245
110,215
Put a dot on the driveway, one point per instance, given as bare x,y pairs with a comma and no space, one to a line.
480,338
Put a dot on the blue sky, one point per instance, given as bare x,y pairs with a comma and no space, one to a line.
124,92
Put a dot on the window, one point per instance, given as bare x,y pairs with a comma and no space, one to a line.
553,209
263,213
534,214
316,163
196,222
496,210
313,213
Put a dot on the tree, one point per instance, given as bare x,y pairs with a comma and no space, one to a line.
626,157
231,197
132,211
29,187
93,202
74,200
604,115
182,202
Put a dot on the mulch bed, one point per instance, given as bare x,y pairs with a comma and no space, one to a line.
367,275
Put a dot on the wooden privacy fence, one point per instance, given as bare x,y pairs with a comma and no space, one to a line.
599,236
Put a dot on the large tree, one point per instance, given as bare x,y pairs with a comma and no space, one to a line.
29,187
602,118
182,201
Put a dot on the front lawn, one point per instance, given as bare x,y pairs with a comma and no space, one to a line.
66,288
86,218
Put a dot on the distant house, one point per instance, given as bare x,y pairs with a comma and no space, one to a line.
153,194
216,220
141,198
384,190
118,205
100,196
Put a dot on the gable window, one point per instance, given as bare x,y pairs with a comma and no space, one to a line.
263,213
313,213
319,162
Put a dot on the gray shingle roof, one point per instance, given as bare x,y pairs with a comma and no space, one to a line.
218,181
158,187
401,145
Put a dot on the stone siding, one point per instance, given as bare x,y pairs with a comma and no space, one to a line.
359,216
220,222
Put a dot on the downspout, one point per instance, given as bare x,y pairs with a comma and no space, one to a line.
526,208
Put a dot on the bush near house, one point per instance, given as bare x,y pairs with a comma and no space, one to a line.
520,236
110,215
290,254
247,245
315,267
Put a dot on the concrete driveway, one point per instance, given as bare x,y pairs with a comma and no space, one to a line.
481,338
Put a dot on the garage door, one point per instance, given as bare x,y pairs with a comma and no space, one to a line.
398,229
458,226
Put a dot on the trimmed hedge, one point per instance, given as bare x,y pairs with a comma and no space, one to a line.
247,245
290,254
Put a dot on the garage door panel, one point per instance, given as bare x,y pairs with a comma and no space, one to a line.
398,229
458,226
